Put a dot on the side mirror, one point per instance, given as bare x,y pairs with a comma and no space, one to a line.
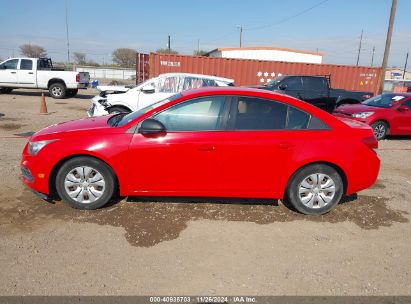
403,108
151,126
148,89
282,87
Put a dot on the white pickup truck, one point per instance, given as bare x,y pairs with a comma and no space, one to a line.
38,73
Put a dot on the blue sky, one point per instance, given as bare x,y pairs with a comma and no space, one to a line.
98,27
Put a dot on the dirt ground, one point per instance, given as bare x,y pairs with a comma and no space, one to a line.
197,246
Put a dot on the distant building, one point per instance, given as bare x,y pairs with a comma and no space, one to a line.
268,53
397,74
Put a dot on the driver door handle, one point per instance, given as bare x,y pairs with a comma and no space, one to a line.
285,145
13,72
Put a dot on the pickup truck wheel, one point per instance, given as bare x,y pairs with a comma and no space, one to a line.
315,189
72,93
380,129
58,90
115,110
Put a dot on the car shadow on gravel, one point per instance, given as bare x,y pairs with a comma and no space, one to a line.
151,220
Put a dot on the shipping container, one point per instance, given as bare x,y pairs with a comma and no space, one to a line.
253,72
142,67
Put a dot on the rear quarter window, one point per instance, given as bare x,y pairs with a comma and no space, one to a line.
317,124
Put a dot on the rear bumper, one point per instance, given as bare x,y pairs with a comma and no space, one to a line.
365,170
83,85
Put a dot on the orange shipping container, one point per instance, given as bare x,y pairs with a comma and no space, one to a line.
254,72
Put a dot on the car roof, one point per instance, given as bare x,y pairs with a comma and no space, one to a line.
231,90
397,94
198,75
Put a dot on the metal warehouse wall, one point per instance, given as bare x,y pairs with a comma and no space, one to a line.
253,72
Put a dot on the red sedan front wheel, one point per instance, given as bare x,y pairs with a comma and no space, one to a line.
85,183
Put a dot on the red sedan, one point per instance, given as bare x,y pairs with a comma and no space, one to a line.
387,114
212,142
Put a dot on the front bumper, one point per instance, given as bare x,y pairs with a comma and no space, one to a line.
367,120
96,109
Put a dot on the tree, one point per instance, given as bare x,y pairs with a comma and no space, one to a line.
200,53
32,50
79,58
166,51
124,57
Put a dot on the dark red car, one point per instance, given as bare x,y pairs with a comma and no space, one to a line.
213,142
387,114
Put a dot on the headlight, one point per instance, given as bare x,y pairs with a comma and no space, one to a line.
362,114
103,102
36,146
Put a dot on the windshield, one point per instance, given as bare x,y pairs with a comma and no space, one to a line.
383,101
274,82
133,115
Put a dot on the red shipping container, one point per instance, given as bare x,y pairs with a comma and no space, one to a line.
254,72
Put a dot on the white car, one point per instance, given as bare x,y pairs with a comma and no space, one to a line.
38,73
115,99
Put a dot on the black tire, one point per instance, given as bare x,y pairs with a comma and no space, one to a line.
71,93
380,129
88,203
114,110
292,194
5,90
58,90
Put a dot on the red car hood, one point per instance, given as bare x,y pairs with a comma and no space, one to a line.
356,108
91,123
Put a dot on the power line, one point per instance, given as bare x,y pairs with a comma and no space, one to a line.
288,18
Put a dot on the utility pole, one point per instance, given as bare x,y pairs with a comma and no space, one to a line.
372,57
387,45
169,43
198,46
241,35
67,34
359,48
405,67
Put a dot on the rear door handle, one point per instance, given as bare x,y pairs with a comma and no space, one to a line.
285,145
207,148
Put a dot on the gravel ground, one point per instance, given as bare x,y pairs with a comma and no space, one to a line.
194,246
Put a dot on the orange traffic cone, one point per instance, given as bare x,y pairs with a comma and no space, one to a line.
43,106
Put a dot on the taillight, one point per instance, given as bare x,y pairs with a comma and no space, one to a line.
78,78
370,142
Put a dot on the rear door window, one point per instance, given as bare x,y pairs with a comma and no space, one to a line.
252,113
314,83
297,119
26,64
293,83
